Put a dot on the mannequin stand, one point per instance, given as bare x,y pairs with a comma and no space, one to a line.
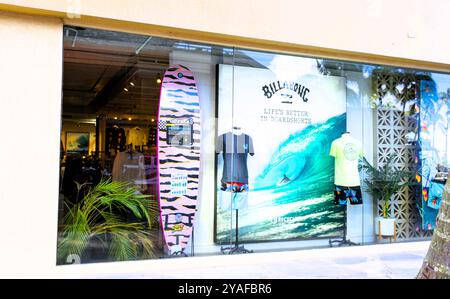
236,248
344,240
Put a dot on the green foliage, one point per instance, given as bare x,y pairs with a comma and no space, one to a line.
102,212
385,181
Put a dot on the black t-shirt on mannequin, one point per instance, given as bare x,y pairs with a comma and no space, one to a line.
235,149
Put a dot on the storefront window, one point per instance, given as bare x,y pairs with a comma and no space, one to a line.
173,148
120,90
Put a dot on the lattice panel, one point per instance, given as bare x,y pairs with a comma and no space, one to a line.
392,126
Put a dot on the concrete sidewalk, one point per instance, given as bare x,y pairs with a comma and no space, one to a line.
396,260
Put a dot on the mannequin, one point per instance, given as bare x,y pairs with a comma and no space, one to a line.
346,150
235,146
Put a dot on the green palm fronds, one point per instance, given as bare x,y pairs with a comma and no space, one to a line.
385,181
104,212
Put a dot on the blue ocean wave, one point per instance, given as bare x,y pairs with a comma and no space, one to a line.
302,161
293,196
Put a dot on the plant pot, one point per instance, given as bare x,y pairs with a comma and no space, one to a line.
385,226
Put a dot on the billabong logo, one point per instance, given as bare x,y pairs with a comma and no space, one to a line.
272,88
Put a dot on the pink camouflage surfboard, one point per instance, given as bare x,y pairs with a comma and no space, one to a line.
178,156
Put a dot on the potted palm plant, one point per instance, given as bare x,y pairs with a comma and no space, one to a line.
383,182
113,218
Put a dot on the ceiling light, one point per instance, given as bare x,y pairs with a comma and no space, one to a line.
131,83
153,119
158,79
115,117
125,89
129,118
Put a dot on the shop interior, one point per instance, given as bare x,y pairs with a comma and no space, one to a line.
111,89
109,113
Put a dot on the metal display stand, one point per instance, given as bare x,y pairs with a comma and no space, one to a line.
236,248
344,240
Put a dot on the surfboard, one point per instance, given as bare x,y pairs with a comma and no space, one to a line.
178,156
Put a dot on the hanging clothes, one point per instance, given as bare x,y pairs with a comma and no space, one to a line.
235,149
346,150
137,137
115,140
130,167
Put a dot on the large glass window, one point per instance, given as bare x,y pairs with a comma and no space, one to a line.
119,91
174,148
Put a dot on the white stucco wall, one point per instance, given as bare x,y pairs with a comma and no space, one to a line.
414,29
30,102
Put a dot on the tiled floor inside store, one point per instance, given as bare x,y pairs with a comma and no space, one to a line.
394,260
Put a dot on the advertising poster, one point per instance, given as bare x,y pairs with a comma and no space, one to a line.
434,140
274,132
